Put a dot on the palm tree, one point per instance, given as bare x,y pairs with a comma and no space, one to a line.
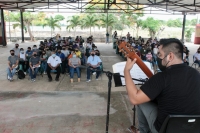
52,23
123,20
73,23
90,21
108,22
27,20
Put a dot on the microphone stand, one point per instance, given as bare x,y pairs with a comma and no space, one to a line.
110,75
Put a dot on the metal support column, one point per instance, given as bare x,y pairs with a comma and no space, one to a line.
183,28
3,28
22,25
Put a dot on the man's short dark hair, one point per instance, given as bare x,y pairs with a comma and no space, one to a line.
12,50
172,45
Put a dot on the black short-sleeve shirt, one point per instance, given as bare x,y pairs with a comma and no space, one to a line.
176,91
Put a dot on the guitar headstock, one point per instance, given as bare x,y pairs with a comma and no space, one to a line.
126,49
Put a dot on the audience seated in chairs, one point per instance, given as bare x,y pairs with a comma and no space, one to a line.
54,62
197,57
34,64
74,64
93,65
13,61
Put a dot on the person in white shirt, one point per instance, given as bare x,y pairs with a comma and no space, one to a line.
22,60
94,65
155,52
54,62
197,57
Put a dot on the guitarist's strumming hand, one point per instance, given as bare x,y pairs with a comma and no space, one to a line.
129,64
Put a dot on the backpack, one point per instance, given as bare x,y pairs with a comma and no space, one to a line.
21,74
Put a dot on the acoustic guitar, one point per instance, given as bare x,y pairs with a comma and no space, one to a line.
129,51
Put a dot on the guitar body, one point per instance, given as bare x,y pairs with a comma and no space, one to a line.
129,51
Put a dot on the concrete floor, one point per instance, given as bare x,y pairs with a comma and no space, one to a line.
62,107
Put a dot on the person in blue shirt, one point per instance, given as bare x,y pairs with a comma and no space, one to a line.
93,65
62,57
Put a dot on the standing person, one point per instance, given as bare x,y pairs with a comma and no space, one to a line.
107,38
54,62
34,64
175,90
115,34
13,61
128,36
16,49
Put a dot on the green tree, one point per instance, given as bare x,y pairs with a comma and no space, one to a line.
188,33
108,22
123,19
74,22
90,21
52,23
40,19
27,20
152,26
193,22
136,21
59,17
174,23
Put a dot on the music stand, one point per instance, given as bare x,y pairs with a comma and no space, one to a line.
117,79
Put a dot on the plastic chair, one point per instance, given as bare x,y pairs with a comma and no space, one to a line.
181,124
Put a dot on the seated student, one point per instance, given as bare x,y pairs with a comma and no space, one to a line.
78,53
29,54
35,49
43,58
16,49
149,57
13,61
97,53
71,54
82,50
94,65
23,60
62,57
74,63
34,64
54,62
197,57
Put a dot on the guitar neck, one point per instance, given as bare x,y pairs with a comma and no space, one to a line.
141,64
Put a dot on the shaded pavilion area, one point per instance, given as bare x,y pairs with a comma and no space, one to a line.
61,107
